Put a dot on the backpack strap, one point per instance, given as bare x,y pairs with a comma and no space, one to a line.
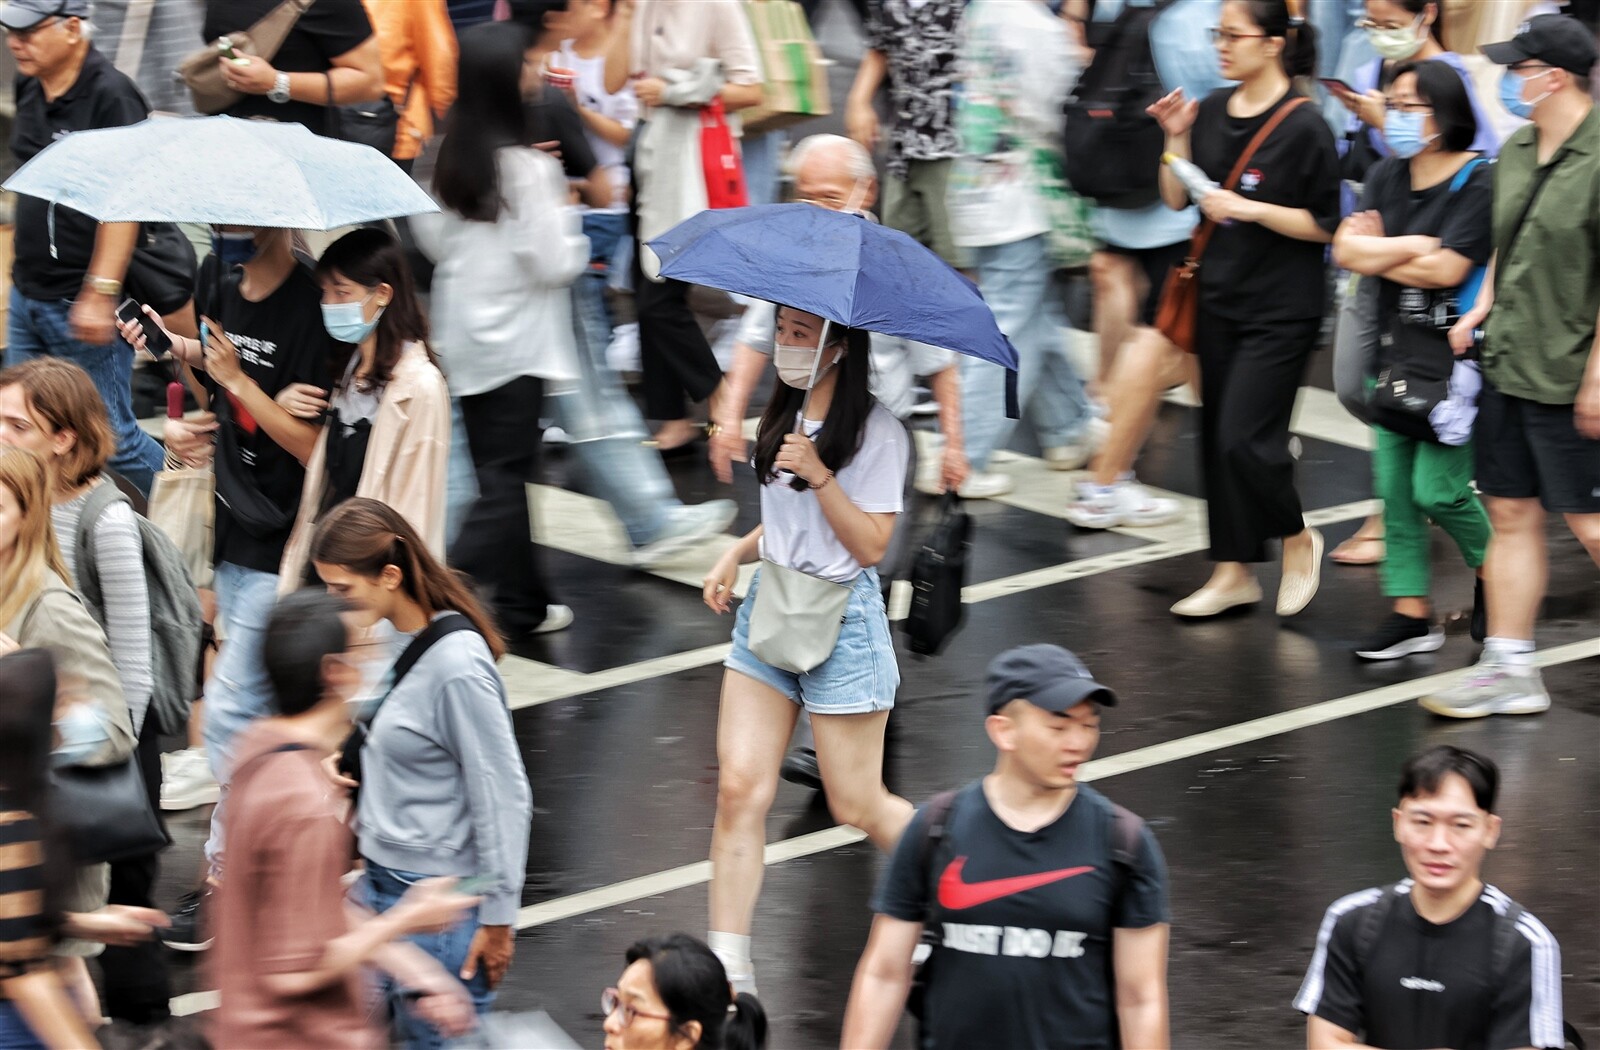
280,749
1127,833
939,807
1465,173
429,636
1372,921
103,495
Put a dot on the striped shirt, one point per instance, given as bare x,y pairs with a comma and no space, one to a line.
1382,972
24,927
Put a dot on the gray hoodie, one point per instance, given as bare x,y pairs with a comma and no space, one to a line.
444,791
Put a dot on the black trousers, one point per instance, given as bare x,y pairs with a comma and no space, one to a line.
136,985
675,360
1249,374
496,543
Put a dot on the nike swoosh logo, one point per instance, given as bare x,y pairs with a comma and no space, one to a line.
958,895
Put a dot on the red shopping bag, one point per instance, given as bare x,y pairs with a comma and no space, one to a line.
720,156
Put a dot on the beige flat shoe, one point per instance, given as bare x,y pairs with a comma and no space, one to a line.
1298,588
1210,601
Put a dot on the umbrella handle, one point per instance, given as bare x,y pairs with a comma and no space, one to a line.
798,483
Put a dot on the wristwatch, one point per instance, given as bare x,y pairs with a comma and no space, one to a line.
280,89
103,286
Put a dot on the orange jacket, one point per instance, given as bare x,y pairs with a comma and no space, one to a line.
418,46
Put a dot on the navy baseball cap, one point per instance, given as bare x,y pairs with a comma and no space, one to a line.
25,14
1558,40
1046,676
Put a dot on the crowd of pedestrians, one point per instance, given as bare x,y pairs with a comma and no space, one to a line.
368,407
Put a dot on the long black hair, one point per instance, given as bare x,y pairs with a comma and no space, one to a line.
1286,19
487,116
370,256
846,422
693,986
1440,87
27,706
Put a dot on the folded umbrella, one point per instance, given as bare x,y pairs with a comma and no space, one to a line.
840,267
220,170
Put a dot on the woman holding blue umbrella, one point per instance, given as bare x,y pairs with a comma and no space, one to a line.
812,630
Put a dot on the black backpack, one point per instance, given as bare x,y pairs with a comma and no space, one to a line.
938,573
1111,145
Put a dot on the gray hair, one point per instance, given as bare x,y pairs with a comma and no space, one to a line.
857,161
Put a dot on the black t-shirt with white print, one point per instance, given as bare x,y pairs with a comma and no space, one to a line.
1249,272
1423,986
281,340
1026,921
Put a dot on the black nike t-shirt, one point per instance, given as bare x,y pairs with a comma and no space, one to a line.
1423,986
281,340
1461,221
1249,272
327,29
1026,921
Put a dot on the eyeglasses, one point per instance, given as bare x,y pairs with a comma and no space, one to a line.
1229,37
1370,25
611,1001
1396,106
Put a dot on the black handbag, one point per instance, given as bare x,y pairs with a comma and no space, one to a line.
350,754
161,273
938,573
104,814
374,124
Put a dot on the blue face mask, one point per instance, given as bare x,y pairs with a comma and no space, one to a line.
1403,133
1511,93
234,249
81,733
345,323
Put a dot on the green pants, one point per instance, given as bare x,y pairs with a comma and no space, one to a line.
917,206
1420,481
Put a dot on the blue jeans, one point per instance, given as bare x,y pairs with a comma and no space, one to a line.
14,1031
1015,279
38,328
239,691
759,153
385,887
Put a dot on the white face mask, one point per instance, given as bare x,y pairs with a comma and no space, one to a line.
795,365
1399,44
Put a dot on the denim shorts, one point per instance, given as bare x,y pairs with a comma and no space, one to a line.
860,677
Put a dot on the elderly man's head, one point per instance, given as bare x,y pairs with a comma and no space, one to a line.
834,172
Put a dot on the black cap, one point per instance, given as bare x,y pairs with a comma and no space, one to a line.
1046,676
1558,40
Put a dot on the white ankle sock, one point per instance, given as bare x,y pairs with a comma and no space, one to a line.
733,949
1514,651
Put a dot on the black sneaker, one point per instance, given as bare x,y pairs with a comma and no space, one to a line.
1480,613
800,767
189,931
1401,636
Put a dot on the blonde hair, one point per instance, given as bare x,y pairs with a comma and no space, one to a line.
35,555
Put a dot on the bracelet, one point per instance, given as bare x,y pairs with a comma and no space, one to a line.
824,483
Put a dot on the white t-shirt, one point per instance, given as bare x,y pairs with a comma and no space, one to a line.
622,107
896,362
795,532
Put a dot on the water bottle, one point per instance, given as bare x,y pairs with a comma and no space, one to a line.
1194,180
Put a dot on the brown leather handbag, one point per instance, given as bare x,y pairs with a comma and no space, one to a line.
1180,296
199,70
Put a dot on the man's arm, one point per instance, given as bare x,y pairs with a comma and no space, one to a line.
1325,1035
860,119
728,445
93,318
355,76
882,981
1139,960
1587,409
945,386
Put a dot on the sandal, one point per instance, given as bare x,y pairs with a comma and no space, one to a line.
1359,550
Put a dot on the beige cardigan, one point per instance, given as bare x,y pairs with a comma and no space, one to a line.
407,456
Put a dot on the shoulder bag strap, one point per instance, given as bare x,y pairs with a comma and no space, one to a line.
275,26
419,646
135,31
1540,177
1202,236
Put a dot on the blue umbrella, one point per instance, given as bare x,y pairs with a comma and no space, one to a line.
220,170
838,266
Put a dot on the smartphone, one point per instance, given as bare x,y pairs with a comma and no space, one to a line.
1338,87
225,47
155,340
477,884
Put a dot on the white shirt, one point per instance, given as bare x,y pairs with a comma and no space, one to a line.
795,532
501,305
896,362
622,107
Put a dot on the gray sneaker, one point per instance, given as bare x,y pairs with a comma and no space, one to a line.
1493,688
686,529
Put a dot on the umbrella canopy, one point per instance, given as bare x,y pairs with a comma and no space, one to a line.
838,266
220,170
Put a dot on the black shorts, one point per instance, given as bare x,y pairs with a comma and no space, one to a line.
1156,264
1527,450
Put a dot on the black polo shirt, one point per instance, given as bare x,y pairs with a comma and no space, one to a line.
328,29
101,97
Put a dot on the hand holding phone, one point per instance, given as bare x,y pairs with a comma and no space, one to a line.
132,314
1337,86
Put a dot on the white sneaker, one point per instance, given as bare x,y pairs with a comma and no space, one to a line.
686,529
1070,456
556,618
186,780
556,437
622,353
1493,688
986,485
1122,504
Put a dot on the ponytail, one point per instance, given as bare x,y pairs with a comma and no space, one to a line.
365,536
693,986
1287,19
747,1024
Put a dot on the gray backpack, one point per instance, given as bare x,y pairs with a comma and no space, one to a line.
175,619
